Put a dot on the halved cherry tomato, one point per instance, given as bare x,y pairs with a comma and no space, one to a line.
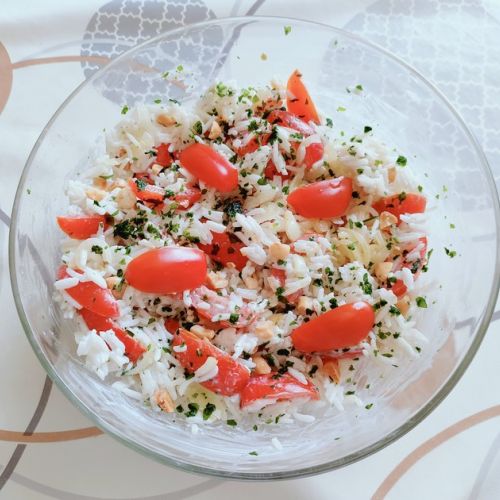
209,304
231,377
322,199
133,349
209,166
402,203
163,156
399,288
280,275
271,388
314,153
344,326
92,297
172,325
289,120
167,270
146,192
225,250
81,227
188,197
299,101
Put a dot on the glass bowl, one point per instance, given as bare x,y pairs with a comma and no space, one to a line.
402,107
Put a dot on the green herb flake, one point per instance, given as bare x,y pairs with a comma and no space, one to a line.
401,161
233,318
287,30
125,110
341,109
208,410
231,422
329,122
369,406
359,87
450,253
253,453
421,302
198,128
97,249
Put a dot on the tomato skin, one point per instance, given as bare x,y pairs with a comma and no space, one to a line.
163,156
150,192
299,102
188,197
92,297
342,327
231,377
280,275
314,153
276,388
210,167
172,325
167,270
322,199
80,227
289,120
133,349
411,204
270,171
253,144
224,251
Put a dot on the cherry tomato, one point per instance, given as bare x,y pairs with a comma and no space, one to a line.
342,327
172,325
280,275
322,199
92,297
401,204
289,120
146,192
209,304
314,153
188,197
271,171
81,227
299,101
270,388
133,349
210,167
163,156
167,270
253,144
231,377
225,250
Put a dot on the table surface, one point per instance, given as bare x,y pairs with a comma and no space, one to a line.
455,43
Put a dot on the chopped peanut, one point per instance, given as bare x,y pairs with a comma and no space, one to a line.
251,282
382,270
331,369
215,131
261,366
95,193
156,169
117,183
265,330
304,304
279,251
202,332
165,120
403,305
125,199
215,280
99,182
121,152
113,282
387,220
391,174
164,401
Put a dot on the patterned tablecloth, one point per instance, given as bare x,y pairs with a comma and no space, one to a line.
47,448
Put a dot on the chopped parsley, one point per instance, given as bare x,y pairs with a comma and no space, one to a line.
367,129
233,318
192,410
231,422
421,302
365,285
198,128
253,453
359,87
287,30
341,109
208,410
97,249
369,406
329,122
401,161
450,253
124,110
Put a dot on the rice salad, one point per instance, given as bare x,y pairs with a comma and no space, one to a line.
242,260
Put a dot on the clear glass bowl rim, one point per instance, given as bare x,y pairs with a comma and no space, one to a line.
431,405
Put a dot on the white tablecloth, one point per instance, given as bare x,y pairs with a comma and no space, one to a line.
453,454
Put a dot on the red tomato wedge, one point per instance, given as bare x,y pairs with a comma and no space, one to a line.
231,377
188,197
253,144
167,270
271,388
322,199
342,327
81,227
299,101
210,167
289,120
402,203
225,251
92,297
163,156
314,153
270,171
209,304
146,192
133,349
172,325
280,275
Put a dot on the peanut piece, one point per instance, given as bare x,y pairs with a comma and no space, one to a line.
303,304
403,305
215,131
261,366
382,270
95,193
165,120
202,332
125,199
99,182
251,283
279,251
164,401
265,330
156,169
216,281
113,282
391,174
387,220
